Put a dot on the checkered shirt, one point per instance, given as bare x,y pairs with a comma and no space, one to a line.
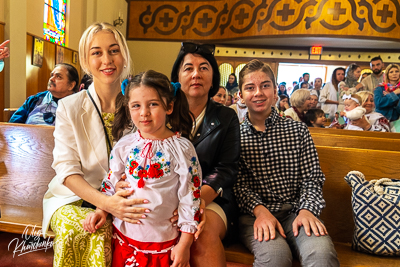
278,166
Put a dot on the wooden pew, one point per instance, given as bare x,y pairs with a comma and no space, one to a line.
356,139
25,172
7,113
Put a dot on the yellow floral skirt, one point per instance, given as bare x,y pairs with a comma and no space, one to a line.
75,247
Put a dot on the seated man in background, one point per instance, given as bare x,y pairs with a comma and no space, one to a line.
279,186
41,108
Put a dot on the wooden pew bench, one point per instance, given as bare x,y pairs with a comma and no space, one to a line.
336,162
25,171
26,155
355,139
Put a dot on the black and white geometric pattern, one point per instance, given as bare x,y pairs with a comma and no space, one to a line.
376,217
278,166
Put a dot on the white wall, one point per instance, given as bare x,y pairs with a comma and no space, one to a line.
158,56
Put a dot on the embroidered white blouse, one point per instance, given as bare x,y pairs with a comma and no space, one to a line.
165,172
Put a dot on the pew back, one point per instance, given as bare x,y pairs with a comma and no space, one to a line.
25,172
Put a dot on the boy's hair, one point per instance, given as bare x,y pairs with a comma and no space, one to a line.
364,96
299,97
312,115
306,73
180,119
253,66
87,38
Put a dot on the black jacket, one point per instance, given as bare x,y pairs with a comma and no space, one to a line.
217,144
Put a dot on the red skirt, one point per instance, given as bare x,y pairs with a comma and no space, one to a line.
130,253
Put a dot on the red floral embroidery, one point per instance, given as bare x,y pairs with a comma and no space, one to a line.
196,181
154,172
103,190
131,170
196,193
134,164
142,173
197,216
157,165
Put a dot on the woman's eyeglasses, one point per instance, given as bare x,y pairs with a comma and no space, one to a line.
49,117
192,48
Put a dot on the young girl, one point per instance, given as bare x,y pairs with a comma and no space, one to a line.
353,114
162,166
315,118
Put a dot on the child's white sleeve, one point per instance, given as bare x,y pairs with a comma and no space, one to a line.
190,177
116,169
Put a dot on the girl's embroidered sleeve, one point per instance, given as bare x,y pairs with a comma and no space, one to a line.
116,169
190,177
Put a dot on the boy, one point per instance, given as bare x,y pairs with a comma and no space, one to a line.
279,187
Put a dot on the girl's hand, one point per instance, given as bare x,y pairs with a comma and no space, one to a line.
200,226
121,184
124,209
180,254
94,220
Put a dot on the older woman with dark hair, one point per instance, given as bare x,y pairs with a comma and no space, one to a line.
216,138
301,102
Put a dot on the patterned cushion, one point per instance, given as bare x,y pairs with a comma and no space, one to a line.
376,217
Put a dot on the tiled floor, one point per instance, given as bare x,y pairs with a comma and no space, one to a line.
41,258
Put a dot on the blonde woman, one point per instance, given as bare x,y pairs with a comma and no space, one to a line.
387,95
376,119
83,142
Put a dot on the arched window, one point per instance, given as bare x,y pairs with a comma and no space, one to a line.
225,69
238,69
54,21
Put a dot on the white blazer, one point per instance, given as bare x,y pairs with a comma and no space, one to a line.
80,148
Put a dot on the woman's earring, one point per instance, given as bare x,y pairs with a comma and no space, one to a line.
124,66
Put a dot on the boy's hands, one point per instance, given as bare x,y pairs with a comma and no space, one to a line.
94,220
310,223
265,224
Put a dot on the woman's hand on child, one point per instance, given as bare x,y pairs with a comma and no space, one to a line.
362,123
310,223
125,209
94,220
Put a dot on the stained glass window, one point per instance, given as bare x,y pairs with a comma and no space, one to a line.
54,21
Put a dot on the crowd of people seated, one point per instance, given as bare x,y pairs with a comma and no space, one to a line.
162,154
